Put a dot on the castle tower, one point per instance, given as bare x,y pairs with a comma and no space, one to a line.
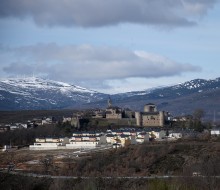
161,122
138,118
150,108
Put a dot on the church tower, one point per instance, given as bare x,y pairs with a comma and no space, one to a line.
109,102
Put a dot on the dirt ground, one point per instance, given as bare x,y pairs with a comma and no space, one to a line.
26,159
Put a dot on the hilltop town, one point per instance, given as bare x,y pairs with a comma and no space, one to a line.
152,120
112,127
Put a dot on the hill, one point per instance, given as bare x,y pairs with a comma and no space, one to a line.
123,168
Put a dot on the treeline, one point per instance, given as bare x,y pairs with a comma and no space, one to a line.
21,137
194,122
25,115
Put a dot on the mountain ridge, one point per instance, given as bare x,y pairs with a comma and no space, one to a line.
180,99
35,93
193,85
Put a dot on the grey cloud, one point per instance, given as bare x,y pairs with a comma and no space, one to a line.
84,63
18,68
95,13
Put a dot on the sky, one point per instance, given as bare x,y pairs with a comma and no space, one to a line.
111,46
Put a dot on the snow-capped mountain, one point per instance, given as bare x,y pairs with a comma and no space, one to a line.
38,93
183,89
178,99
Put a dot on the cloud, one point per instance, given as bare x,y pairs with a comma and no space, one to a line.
18,68
89,63
96,13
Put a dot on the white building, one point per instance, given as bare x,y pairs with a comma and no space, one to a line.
49,143
82,144
67,119
215,131
175,135
110,138
45,146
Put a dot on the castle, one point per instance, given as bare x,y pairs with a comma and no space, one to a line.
150,117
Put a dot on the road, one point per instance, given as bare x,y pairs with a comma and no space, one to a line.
18,172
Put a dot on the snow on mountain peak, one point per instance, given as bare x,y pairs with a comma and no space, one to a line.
38,93
39,83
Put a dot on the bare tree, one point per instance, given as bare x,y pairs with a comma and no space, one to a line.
199,114
197,119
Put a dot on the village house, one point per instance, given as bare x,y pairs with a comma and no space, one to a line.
88,141
67,119
49,143
175,134
37,121
47,121
158,134
40,140
142,137
124,140
4,128
110,138
14,127
126,132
